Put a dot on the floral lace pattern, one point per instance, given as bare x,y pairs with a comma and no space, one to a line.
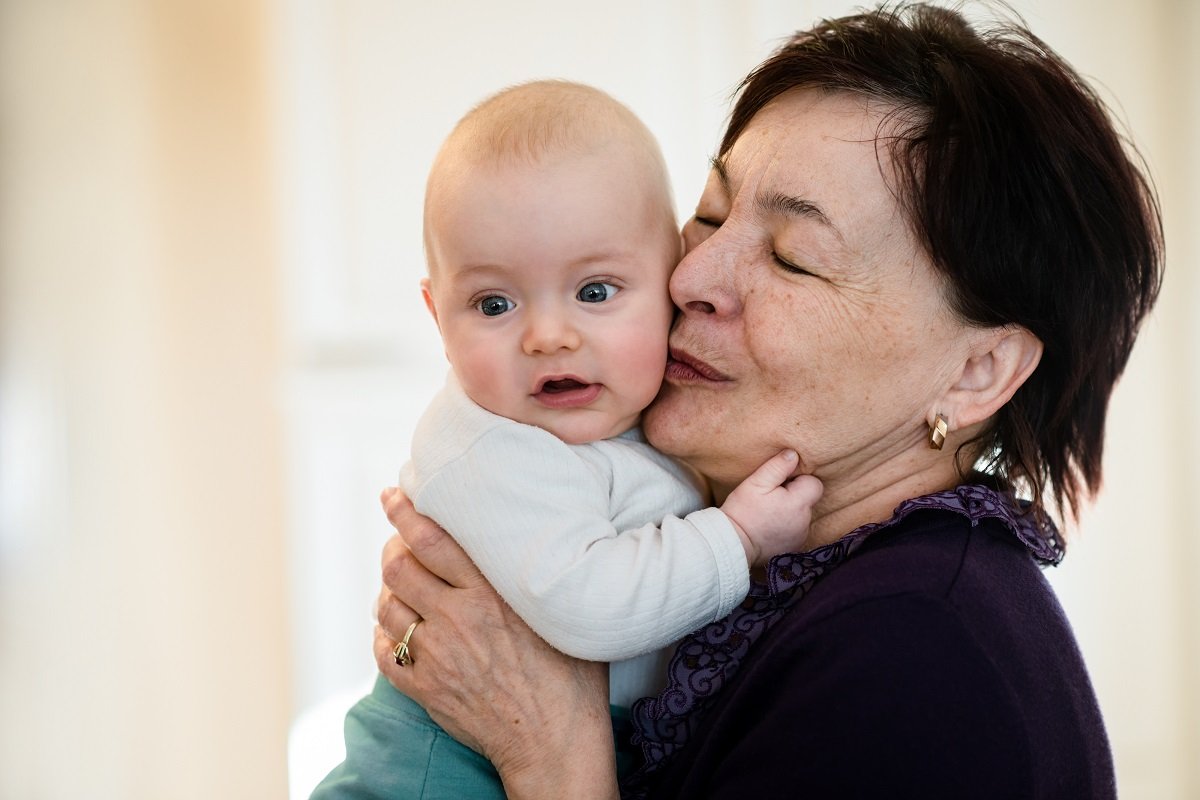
707,659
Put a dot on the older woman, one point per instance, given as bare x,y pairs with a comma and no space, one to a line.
920,261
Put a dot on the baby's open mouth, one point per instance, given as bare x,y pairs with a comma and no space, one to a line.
565,385
567,391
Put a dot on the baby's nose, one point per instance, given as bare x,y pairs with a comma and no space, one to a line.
549,333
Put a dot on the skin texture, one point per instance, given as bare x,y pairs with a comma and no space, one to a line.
585,301
810,320
532,687
551,273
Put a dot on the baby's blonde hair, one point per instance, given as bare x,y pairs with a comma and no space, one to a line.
530,122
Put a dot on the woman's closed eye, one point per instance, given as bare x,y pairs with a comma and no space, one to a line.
699,228
788,266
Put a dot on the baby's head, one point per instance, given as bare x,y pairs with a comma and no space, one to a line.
550,236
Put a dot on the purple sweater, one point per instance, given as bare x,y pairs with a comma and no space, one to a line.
933,661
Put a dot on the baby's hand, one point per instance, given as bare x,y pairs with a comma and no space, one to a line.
771,511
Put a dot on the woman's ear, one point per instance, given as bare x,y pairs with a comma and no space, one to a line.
427,296
999,363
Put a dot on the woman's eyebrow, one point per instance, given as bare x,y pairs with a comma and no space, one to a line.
778,202
718,166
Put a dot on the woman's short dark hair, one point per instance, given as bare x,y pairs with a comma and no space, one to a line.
1025,197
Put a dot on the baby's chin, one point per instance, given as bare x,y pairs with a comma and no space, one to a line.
586,434
584,426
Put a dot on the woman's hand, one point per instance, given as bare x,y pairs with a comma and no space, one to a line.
539,716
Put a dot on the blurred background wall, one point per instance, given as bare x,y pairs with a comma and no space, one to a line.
212,354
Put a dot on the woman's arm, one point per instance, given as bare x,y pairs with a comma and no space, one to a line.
539,716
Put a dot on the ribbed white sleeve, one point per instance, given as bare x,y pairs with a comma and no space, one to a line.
570,535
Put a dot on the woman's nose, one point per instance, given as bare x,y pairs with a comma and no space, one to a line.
704,282
548,333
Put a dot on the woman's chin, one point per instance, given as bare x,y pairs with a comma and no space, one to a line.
666,426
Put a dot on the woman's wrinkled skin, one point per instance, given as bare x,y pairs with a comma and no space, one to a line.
810,319
821,323
450,661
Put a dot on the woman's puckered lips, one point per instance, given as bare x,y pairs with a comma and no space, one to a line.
693,364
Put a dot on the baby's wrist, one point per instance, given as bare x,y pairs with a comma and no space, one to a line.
748,546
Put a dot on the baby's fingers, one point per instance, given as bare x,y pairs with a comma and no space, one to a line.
774,472
804,490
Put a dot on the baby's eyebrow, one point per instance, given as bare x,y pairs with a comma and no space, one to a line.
472,277
612,255
472,270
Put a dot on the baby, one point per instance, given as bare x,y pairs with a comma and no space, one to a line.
550,238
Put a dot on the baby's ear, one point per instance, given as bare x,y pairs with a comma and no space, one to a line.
427,296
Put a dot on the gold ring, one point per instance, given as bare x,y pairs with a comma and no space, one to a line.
400,653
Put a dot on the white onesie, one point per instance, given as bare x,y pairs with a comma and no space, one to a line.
585,542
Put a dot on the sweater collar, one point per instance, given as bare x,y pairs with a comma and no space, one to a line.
707,659
973,501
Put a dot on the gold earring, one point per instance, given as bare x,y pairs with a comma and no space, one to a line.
937,432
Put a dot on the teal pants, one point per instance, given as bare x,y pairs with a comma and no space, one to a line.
394,751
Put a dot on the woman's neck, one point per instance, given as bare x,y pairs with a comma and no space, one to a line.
843,509
853,500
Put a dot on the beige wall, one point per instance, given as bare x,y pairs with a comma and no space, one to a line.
1128,581
211,354
143,632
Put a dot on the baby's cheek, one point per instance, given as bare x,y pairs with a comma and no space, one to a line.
484,376
650,387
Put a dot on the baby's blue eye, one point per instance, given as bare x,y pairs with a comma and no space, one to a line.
494,305
596,292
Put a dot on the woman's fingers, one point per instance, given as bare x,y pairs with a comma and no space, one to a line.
385,646
477,668
435,549
412,586
393,614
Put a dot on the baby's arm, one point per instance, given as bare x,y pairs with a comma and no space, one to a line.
536,519
770,510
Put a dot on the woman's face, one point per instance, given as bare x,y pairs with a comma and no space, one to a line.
810,317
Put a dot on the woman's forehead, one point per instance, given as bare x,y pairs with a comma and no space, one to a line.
805,129
822,149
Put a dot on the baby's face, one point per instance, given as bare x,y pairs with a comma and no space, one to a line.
549,285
